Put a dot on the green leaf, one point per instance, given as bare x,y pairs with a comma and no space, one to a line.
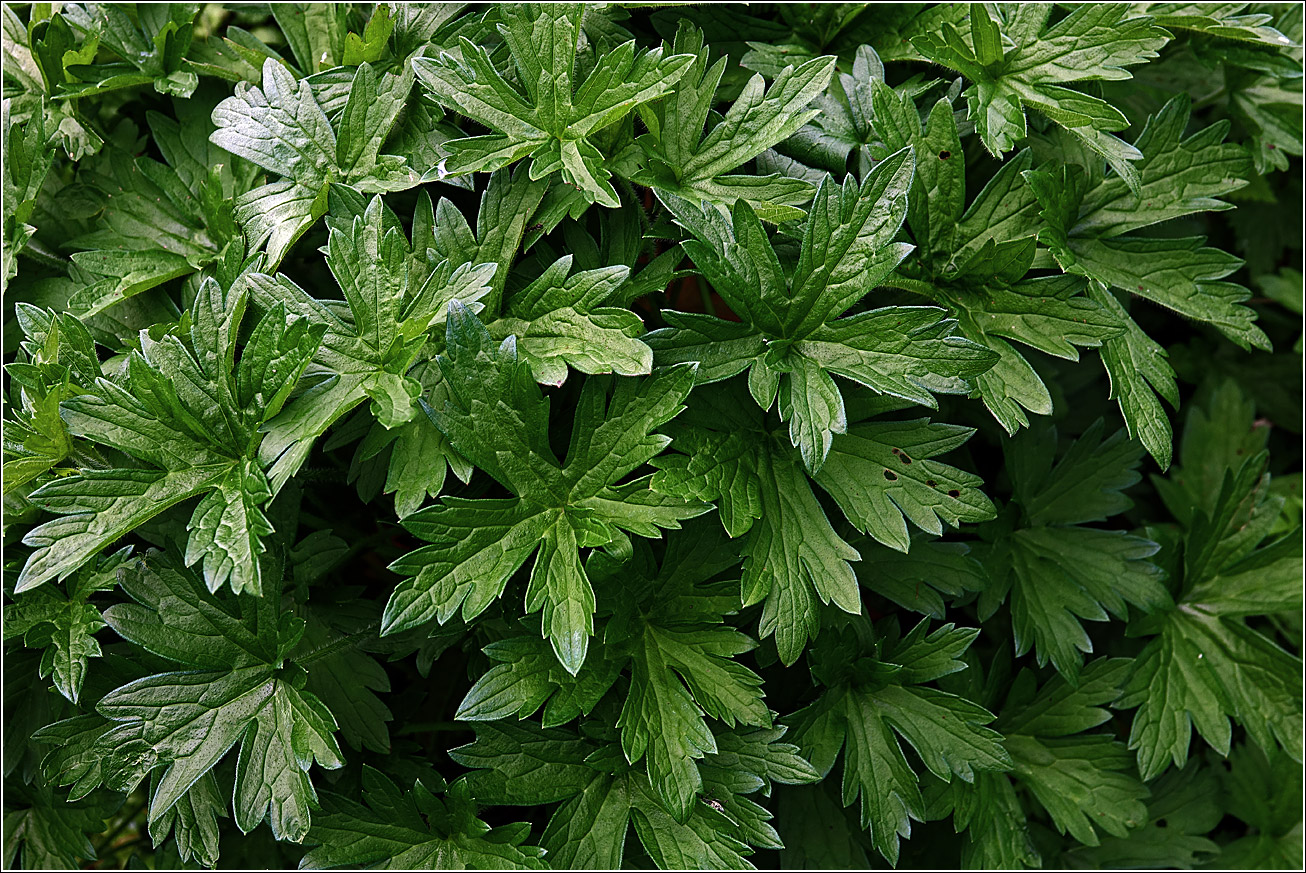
1185,804
154,42
847,250
560,321
1092,43
1087,217
526,676
43,830
160,221
193,822
1264,791
190,720
870,704
1140,376
917,580
880,475
284,129
558,508
792,555
1198,672
394,296
26,161
603,798
553,120
64,626
1227,22
347,680
1204,663
192,412
400,830
1059,572
677,158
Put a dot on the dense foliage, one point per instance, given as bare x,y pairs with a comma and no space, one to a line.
703,436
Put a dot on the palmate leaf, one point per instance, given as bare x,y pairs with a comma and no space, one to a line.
1057,571
1204,664
793,557
190,411
975,260
26,163
497,419
553,120
57,360
1184,806
1084,781
677,158
871,701
1090,225
394,296
666,628
152,45
284,129
413,830
235,688
160,221
845,125
792,338
1264,791
522,765
64,625
43,830
560,321
1092,43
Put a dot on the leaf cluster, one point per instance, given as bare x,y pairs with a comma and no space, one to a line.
558,435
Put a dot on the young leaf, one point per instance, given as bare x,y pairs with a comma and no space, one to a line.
394,296
1092,43
284,129
793,340
497,419
677,158
153,48
792,555
553,120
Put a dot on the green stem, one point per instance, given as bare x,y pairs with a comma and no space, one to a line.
123,822
912,286
336,645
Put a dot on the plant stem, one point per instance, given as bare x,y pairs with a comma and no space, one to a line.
912,286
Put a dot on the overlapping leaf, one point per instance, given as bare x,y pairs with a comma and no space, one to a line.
497,419
283,128
555,118
1019,62
792,339
191,411
875,698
